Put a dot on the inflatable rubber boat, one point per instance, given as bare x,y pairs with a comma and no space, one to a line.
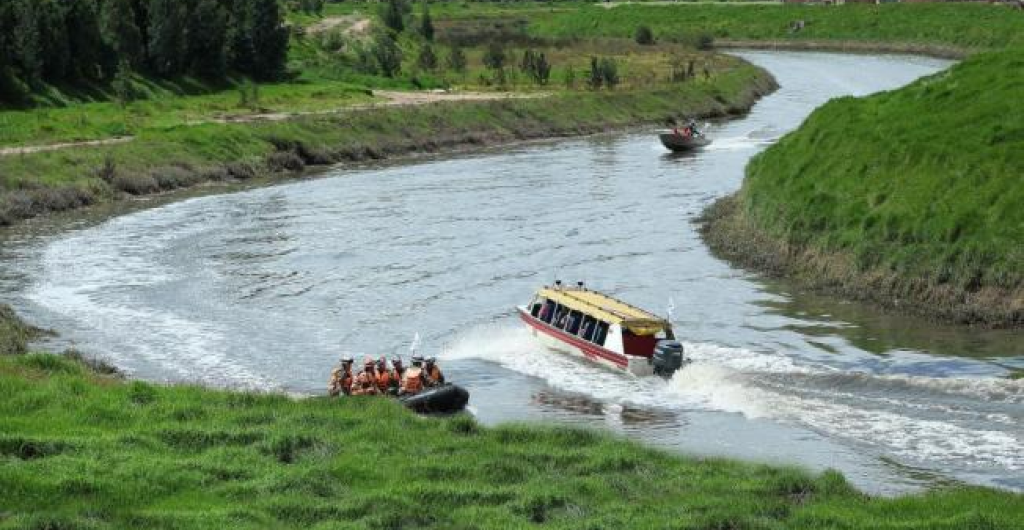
444,399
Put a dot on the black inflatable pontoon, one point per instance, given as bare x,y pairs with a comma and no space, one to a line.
445,399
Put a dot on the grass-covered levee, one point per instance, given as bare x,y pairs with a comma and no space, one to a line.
83,450
913,198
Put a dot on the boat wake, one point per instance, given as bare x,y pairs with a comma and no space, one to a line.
918,418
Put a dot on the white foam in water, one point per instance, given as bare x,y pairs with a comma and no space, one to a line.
767,385
736,143
83,279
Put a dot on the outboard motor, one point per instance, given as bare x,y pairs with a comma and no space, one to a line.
668,357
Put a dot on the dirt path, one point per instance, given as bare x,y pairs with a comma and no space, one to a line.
29,149
390,99
350,24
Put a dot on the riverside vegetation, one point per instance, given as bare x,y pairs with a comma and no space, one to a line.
166,130
910,199
79,449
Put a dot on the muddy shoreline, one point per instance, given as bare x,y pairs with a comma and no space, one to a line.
938,51
292,158
734,238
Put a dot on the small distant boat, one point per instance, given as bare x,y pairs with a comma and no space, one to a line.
679,142
603,329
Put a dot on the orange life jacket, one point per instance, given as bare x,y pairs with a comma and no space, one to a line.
341,382
383,380
365,385
412,383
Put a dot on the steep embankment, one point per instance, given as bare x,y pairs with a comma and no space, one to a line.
86,451
912,198
159,160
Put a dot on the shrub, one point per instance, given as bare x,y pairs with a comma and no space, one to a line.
285,161
386,54
494,58
393,13
135,184
427,59
172,177
644,36
705,41
457,60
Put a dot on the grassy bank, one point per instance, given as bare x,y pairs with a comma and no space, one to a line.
970,26
95,452
166,158
15,334
910,198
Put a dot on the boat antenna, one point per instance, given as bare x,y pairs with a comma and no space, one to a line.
671,308
415,343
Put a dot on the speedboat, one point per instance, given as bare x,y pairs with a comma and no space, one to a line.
603,329
679,142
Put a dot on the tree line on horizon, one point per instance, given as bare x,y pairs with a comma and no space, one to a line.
66,42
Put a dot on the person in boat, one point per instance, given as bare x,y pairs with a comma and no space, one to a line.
413,378
383,376
341,378
365,383
432,373
397,370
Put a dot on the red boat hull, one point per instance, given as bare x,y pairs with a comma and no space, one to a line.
587,349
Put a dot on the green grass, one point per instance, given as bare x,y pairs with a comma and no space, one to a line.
14,332
82,451
198,149
968,26
924,183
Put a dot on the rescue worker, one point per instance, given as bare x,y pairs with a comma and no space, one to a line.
397,371
412,379
432,373
383,376
341,378
365,383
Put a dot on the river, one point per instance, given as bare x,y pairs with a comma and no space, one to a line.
268,287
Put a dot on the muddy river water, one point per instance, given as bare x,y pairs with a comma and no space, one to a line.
267,288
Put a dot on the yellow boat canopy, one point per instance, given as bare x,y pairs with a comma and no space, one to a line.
606,308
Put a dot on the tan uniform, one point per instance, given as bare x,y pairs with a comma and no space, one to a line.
434,376
340,383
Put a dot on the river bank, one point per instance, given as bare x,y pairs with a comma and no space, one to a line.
870,200
98,452
240,151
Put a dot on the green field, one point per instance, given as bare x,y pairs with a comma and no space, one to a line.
78,450
913,194
968,26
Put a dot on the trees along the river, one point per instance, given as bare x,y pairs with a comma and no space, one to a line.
71,41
